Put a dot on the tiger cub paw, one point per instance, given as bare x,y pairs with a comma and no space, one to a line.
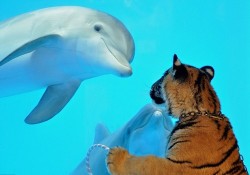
116,160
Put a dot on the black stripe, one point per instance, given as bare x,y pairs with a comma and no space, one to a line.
169,106
244,171
214,99
197,94
182,126
217,123
179,126
233,170
237,161
179,137
225,133
174,139
227,154
203,84
216,172
175,143
178,161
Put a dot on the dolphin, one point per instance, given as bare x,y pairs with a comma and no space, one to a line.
146,133
57,48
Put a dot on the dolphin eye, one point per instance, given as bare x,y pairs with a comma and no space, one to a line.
98,27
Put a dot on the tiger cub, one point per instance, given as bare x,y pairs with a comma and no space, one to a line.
201,143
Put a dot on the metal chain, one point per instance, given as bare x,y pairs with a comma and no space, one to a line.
87,163
217,115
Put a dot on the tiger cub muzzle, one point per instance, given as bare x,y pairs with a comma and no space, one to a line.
156,92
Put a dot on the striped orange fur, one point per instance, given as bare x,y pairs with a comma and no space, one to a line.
201,143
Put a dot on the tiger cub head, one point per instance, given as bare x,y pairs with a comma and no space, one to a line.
184,88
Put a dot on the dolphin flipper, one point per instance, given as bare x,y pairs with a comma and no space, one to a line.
30,46
53,101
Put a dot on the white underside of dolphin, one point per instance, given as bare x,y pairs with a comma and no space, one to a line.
57,48
146,133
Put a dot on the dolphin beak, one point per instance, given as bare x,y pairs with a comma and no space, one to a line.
123,52
123,58
160,111
126,69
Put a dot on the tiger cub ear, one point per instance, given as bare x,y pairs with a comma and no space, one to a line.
179,70
209,71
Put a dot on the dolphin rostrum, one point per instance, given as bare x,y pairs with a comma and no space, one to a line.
146,133
58,48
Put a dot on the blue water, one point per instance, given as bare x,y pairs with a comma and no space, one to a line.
210,32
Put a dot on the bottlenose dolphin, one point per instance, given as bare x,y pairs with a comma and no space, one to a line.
144,134
58,48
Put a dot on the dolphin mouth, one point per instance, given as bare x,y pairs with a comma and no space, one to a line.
152,117
161,111
153,113
160,116
120,57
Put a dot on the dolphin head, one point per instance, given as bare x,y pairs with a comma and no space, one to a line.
107,43
151,126
73,38
146,133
